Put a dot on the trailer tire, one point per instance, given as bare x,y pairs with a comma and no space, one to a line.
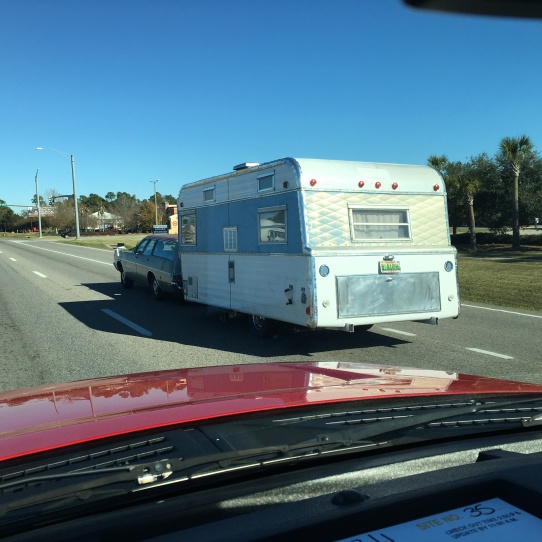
260,326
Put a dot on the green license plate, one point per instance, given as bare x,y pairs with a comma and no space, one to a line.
390,267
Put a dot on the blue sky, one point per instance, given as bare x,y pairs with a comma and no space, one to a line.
180,90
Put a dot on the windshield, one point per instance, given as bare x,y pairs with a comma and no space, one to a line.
352,81
359,189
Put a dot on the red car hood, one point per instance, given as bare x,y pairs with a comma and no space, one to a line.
47,417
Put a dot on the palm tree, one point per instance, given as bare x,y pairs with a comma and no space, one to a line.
470,184
515,150
442,165
438,162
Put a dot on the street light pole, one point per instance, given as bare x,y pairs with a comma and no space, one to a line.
38,204
76,208
155,206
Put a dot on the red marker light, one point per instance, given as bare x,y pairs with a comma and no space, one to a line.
313,182
378,184
285,184
436,187
395,186
361,184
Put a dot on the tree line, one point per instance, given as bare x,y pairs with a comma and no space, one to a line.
58,212
500,192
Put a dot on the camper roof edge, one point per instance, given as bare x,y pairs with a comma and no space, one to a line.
367,175
240,171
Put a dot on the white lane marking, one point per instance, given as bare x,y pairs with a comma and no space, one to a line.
501,310
128,323
399,332
40,274
13,259
495,354
24,241
65,254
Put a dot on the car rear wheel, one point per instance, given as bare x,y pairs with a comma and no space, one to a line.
157,292
125,281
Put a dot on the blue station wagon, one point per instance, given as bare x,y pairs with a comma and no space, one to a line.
155,262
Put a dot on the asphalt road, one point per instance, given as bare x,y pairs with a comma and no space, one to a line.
64,316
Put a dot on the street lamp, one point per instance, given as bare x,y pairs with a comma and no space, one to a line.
70,156
38,204
155,206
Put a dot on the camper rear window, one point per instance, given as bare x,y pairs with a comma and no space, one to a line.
188,229
377,224
272,225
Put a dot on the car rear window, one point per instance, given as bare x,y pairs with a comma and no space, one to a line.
164,249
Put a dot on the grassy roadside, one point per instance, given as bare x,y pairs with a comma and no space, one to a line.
499,276
494,275
107,242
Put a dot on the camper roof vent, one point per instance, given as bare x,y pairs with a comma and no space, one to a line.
245,165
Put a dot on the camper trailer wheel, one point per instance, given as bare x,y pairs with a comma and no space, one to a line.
125,281
260,326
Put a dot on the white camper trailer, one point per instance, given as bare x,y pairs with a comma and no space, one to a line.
320,244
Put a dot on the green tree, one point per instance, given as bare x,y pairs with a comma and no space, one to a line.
516,151
159,199
110,196
92,202
42,202
530,191
8,219
147,215
468,183
63,217
127,207
456,209
491,208
438,162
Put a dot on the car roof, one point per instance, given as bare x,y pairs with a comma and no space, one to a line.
165,236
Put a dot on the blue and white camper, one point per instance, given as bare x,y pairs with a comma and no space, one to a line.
320,244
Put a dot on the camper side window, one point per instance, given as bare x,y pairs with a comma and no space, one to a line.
272,225
377,224
266,182
188,229
230,239
209,195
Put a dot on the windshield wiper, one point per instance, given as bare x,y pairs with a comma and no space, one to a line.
135,478
412,419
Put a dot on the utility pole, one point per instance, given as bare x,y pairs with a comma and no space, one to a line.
76,209
38,204
155,206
